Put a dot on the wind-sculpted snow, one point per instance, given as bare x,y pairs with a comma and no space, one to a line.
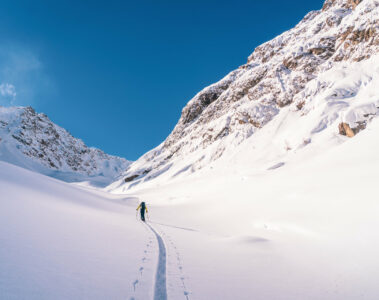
306,70
32,141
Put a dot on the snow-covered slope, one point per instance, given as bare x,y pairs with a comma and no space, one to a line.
60,241
283,204
30,140
306,230
320,78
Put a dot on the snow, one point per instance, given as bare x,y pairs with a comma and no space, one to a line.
345,93
60,241
32,141
286,209
290,213
324,69
305,230
352,87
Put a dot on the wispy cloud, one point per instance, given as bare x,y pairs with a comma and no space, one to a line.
8,92
22,76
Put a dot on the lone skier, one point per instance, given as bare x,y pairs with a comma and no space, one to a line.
142,208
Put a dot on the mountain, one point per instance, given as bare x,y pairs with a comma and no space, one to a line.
31,140
266,192
314,83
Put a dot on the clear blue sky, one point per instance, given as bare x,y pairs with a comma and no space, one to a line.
117,73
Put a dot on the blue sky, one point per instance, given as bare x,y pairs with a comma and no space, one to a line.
117,73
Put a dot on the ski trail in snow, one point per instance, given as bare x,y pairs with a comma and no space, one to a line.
177,227
135,284
174,258
160,289
180,267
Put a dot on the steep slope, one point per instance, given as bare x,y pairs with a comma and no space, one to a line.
323,71
30,140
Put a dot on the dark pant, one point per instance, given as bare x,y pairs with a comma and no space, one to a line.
143,215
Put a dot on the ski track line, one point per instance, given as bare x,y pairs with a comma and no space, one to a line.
136,282
186,293
160,289
177,227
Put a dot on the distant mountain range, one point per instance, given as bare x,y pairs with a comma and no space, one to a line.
312,86
31,140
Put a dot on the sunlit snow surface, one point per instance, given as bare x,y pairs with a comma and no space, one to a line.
292,212
319,71
59,241
348,93
305,230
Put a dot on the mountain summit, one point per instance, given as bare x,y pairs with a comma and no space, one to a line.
318,79
31,140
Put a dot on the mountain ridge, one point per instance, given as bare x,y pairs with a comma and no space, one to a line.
31,140
285,72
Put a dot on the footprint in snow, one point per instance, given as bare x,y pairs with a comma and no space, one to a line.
135,283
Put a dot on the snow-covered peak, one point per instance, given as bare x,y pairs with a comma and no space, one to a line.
31,140
305,73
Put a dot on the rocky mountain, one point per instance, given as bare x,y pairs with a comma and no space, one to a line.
321,73
31,140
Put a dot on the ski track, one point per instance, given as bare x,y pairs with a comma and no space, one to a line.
177,227
160,286
160,289
186,293
146,252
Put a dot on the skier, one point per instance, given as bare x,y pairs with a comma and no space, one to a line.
142,208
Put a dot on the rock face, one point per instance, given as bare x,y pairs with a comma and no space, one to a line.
344,128
284,72
31,140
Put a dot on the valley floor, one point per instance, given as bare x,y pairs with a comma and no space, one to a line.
306,230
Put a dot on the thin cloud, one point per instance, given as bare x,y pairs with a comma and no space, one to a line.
7,92
22,76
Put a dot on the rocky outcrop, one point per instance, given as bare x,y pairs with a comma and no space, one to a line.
345,129
348,4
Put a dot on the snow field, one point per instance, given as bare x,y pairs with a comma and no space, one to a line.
59,241
304,230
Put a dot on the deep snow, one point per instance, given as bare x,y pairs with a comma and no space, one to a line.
286,211
305,230
60,241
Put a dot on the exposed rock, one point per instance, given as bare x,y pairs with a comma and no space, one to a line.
300,105
131,178
353,3
344,128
